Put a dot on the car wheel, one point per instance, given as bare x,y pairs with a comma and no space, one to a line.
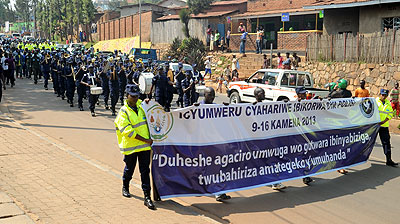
235,98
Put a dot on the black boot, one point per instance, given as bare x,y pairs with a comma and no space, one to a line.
147,201
389,161
125,190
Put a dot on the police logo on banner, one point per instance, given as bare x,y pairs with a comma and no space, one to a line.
367,107
160,122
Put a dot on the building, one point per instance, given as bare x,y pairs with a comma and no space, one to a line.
133,9
268,15
358,16
172,3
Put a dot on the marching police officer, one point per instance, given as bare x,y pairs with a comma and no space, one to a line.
160,85
70,82
79,71
113,81
88,80
36,66
178,83
134,142
54,75
187,87
104,81
122,81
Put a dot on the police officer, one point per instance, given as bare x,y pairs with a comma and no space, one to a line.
160,85
36,66
179,76
122,81
79,70
88,80
62,79
104,81
187,87
386,113
54,75
70,82
134,142
113,81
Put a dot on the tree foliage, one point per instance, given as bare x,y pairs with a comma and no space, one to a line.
184,15
191,48
198,6
56,18
6,12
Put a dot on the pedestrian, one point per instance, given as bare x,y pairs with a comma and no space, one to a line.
4,66
220,81
209,96
212,40
280,60
241,28
287,64
260,34
208,38
228,38
207,64
62,79
102,73
90,79
134,142
301,93
341,92
242,46
362,91
235,66
54,76
266,63
386,114
295,61
394,99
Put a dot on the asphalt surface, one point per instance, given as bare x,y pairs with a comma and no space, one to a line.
368,194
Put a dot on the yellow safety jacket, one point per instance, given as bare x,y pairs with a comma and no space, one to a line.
385,111
128,124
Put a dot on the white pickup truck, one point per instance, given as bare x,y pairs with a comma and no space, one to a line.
278,84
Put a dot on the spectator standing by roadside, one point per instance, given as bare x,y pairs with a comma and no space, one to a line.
207,64
208,39
220,82
217,39
11,69
260,34
235,63
287,64
295,61
241,28
266,63
228,37
212,41
280,60
242,47
362,91
394,99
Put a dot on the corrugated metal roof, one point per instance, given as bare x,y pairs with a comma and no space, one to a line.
200,15
274,13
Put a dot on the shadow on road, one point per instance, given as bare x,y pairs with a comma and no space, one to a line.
320,190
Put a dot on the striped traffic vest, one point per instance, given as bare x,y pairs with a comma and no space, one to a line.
128,124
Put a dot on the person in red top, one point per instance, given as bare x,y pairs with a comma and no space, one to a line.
280,60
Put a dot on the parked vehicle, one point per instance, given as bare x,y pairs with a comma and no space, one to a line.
16,35
74,46
28,38
144,54
278,84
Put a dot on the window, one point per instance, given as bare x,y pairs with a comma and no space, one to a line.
390,23
285,79
303,80
258,78
292,79
270,78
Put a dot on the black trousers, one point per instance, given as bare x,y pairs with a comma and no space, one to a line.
144,168
92,101
384,135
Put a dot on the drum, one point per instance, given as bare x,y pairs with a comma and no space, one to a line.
94,90
145,82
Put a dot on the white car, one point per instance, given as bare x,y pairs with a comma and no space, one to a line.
279,85
73,46
28,38
16,35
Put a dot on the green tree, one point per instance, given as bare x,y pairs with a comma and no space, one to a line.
184,15
198,6
6,13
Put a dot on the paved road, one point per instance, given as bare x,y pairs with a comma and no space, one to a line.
368,194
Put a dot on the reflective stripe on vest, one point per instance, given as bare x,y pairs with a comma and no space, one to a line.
134,148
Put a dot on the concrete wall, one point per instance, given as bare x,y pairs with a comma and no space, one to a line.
341,20
127,11
371,16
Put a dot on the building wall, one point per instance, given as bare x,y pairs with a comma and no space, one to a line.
126,27
341,20
293,41
371,16
265,5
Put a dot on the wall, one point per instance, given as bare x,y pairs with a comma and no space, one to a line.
296,40
377,76
167,31
341,20
267,5
371,16
126,27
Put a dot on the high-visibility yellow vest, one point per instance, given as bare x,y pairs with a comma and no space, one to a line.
385,111
128,124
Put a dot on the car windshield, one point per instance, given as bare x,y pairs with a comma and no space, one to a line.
185,67
76,45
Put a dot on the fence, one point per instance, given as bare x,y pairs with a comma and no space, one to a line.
167,31
369,48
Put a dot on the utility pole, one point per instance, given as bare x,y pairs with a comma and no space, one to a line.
140,24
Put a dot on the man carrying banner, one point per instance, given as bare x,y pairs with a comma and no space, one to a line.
134,142
386,113
209,96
